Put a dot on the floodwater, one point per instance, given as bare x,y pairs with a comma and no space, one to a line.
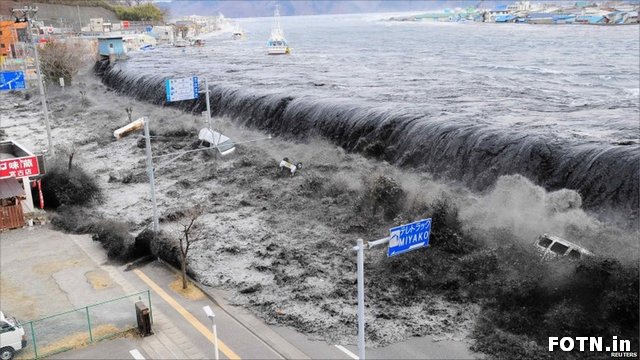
466,101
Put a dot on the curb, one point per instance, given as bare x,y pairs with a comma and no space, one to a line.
275,341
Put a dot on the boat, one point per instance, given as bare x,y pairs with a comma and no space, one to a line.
198,42
277,44
238,33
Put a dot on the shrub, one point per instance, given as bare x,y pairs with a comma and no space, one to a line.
61,186
73,219
164,247
115,238
504,345
61,60
312,186
383,192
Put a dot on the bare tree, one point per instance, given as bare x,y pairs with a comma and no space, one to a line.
189,236
62,60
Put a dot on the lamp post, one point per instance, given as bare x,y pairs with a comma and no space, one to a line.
212,316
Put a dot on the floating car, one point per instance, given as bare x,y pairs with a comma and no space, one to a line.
550,247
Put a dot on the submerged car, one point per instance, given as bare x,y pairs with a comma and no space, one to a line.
550,247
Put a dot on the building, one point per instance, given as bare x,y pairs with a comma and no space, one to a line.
163,33
18,169
111,47
12,33
12,195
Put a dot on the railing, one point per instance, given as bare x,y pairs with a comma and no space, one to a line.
78,327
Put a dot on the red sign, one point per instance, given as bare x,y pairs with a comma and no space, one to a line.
125,24
19,167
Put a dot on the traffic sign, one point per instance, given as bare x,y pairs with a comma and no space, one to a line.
182,89
409,237
12,80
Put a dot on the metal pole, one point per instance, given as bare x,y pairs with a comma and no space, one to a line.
150,309
89,322
33,338
147,140
360,245
206,85
43,97
215,337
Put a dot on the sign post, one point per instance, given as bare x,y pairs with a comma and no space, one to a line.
403,238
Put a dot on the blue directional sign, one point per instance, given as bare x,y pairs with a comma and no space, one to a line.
409,237
12,80
182,89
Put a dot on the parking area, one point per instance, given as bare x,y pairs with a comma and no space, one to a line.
45,272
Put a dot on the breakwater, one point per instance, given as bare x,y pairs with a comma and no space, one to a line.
605,175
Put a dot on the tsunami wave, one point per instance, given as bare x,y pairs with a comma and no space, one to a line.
605,175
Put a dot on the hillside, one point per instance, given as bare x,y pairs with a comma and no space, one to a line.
55,14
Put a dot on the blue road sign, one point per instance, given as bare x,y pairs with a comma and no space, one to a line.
12,80
409,237
182,89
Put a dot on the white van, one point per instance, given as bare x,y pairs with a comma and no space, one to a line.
12,338
550,246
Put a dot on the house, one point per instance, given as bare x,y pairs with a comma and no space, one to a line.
163,33
100,25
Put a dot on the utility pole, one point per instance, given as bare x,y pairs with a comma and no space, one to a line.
206,86
152,182
79,21
27,15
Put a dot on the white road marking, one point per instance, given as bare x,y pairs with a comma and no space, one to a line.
346,351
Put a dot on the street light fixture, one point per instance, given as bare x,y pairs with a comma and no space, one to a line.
212,316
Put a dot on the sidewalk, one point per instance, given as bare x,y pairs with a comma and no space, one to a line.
181,328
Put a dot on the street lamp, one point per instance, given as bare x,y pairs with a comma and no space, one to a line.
212,316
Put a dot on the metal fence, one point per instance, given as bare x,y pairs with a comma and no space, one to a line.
78,327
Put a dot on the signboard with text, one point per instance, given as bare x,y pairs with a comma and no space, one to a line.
19,167
409,237
12,80
182,89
